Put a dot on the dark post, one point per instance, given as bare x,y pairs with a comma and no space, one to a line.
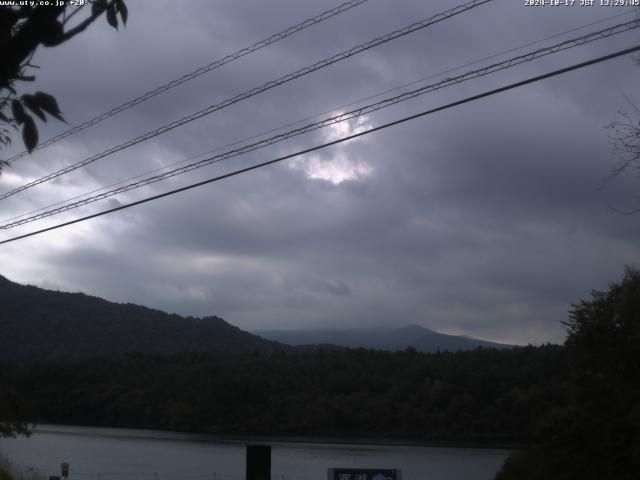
258,462
64,469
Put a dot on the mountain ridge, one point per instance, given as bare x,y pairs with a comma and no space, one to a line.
382,338
40,324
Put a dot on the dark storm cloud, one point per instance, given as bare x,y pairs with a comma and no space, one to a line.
485,219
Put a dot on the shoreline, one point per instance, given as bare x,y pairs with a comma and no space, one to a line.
167,435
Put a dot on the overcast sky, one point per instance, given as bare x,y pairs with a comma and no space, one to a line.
486,219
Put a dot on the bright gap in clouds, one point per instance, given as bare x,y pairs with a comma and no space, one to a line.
336,165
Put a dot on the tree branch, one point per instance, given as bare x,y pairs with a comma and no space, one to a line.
18,48
80,27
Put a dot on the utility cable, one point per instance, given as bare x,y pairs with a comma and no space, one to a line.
489,93
342,117
334,109
255,91
196,73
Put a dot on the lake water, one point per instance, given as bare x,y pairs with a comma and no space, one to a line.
119,454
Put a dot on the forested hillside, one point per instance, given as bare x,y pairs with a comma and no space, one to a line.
576,406
480,396
39,324
593,431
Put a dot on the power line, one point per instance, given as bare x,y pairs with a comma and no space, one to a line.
311,117
334,109
335,142
364,110
474,62
255,91
196,73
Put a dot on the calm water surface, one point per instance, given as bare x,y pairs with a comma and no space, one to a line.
119,454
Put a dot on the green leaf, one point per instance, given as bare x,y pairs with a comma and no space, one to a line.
48,103
30,133
122,8
18,111
31,103
111,16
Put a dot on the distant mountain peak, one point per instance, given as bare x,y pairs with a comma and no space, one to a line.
418,329
387,338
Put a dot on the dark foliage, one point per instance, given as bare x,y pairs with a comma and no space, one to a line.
12,410
38,324
577,406
594,433
24,28
492,396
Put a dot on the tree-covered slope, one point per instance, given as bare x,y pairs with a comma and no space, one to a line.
593,432
476,397
39,324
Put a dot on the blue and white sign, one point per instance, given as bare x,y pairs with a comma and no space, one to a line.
363,474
